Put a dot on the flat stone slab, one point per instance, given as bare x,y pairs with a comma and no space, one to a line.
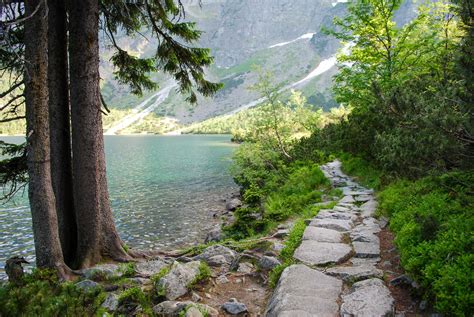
322,253
322,235
347,199
335,224
366,249
302,291
368,298
355,273
368,208
363,198
363,234
335,215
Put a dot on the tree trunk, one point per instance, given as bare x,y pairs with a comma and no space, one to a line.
60,132
40,191
97,236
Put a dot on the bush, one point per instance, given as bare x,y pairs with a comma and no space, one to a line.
433,222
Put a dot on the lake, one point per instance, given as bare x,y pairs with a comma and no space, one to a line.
162,191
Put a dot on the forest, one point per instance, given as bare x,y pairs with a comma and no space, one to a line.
404,128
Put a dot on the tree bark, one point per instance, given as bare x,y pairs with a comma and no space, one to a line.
60,132
40,191
97,235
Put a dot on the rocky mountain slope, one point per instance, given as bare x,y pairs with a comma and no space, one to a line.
281,36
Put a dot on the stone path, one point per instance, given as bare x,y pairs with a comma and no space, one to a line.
338,256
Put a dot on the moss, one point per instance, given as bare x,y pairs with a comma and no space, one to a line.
135,296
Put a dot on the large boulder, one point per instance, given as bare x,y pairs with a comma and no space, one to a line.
175,283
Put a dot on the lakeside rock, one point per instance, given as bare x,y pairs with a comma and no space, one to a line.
149,268
217,255
175,282
215,235
233,204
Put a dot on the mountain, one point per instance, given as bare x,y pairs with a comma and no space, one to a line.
281,36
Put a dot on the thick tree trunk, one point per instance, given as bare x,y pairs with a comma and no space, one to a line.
60,132
97,236
40,192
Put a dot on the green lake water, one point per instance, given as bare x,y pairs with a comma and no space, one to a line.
163,190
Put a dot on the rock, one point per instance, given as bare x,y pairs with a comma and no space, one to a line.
368,298
222,279
363,198
215,235
195,297
322,253
341,209
334,224
173,308
277,246
347,199
87,285
355,273
217,260
233,307
363,233
140,280
302,291
268,262
383,222
245,267
366,249
281,233
149,268
193,312
325,214
322,235
401,280
423,305
226,255
175,282
233,204
111,302
368,209
102,272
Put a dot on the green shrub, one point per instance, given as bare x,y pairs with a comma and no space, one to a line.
433,222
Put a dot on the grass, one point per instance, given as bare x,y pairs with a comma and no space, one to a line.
203,275
291,244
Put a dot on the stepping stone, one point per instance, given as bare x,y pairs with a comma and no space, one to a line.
335,215
365,261
335,224
368,208
322,235
363,234
368,298
341,209
322,253
363,198
347,199
366,249
302,291
355,273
